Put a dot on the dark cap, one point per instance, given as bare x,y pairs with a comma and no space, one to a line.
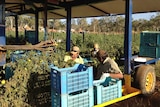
102,53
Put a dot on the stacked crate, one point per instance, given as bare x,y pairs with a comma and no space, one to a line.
108,90
150,44
72,87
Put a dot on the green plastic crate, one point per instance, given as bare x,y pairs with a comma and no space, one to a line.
8,72
150,44
30,36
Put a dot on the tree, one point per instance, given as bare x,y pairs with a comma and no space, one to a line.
102,25
73,24
120,22
82,23
9,22
135,25
94,25
156,22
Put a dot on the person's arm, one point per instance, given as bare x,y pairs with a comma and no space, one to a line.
112,75
117,72
117,75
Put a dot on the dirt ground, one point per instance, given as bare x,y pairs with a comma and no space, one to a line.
142,101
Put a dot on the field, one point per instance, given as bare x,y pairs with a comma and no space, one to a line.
30,84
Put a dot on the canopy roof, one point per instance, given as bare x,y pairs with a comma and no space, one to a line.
80,8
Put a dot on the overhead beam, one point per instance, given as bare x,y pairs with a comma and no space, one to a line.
28,2
80,2
38,1
43,1
14,7
48,8
58,14
22,9
26,12
13,3
99,9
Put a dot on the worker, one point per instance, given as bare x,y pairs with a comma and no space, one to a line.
74,55
107,67
95,50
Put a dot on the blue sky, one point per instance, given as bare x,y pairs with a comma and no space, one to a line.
143,16
146,16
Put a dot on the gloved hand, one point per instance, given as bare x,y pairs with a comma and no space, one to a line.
104,75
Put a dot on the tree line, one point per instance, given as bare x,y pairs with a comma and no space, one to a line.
96,25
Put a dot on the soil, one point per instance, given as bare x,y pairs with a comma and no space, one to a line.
152,100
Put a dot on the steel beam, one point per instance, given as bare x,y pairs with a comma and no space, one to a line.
68,32
36,27
16,27
128,37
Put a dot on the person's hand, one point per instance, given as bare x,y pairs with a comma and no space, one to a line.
105,75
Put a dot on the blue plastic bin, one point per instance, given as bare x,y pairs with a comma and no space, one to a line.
2,40
2,54
112,89
17,55
68,80
83,98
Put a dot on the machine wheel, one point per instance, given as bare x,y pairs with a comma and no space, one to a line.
146,79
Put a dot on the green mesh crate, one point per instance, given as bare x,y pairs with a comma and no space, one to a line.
30,36
150,44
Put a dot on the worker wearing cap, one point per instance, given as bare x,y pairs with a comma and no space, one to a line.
107,67
74,55
95,50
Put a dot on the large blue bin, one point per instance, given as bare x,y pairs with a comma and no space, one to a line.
2,40
83,98
108,90
2,54
72,87
68,80
2,30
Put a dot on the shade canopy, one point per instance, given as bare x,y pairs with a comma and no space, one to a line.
80,8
